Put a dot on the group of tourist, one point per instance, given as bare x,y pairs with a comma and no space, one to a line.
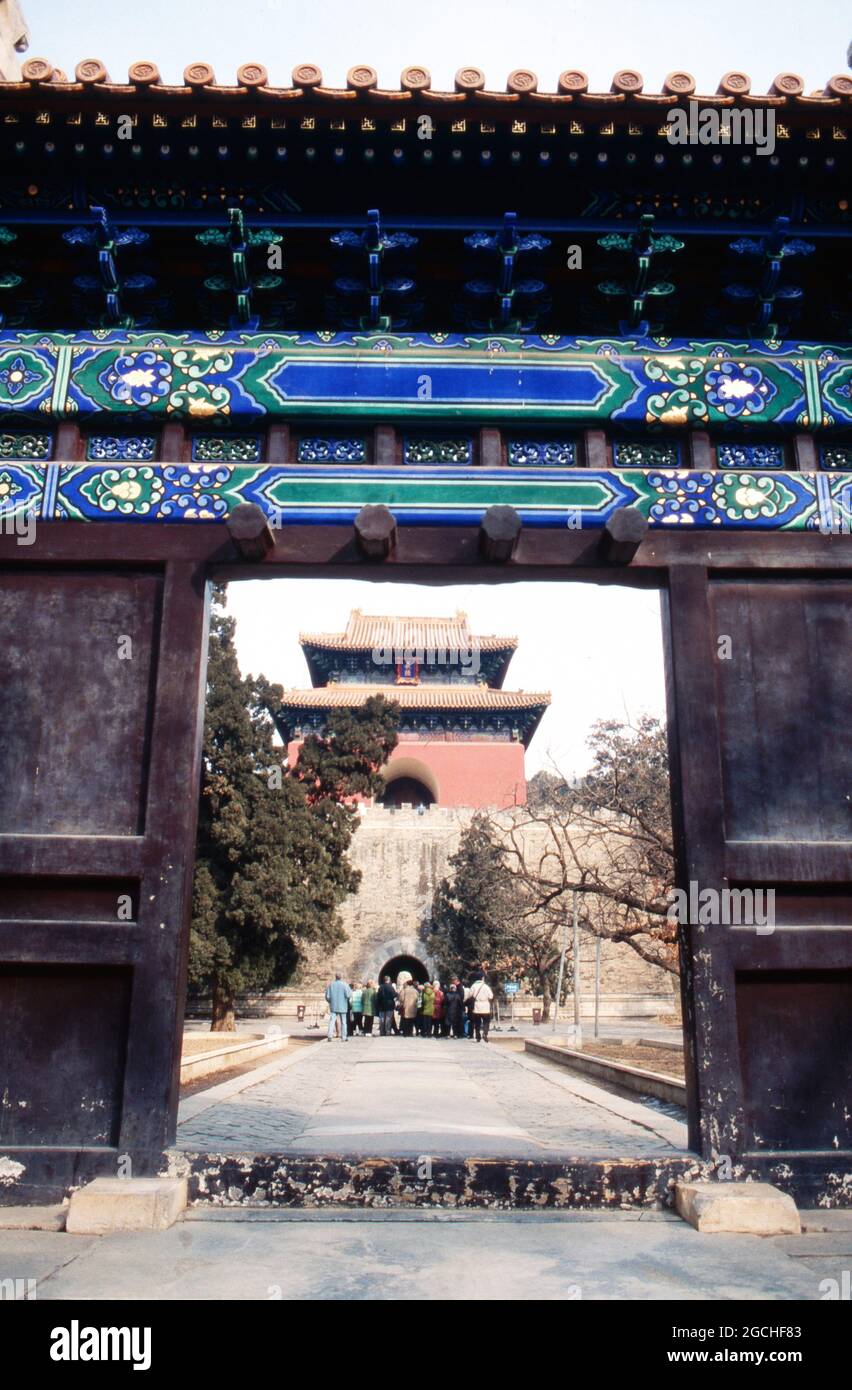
410,1009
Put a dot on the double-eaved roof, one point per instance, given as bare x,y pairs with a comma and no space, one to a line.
390,632
426,697
441,643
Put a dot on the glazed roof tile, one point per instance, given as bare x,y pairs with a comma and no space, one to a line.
253,82
456,697
364,631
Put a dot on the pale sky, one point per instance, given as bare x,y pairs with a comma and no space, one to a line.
762,37
597,650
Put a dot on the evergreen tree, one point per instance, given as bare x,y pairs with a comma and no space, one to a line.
271,863
475,909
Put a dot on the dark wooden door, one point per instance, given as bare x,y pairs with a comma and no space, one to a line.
102,674
760,690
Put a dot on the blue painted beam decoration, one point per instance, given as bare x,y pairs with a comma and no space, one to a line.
241,377
554,498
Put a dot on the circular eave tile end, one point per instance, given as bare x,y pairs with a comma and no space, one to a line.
679,84
734,84
143,74
37,70
573,82
627,81
415,79
199,75
839,86
362,79
522,81
470,80
252,75
306,75
788,84
91,71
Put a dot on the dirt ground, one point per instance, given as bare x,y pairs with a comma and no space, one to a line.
659,1059
202,1083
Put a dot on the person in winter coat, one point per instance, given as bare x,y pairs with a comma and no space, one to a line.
355,1006
454,1009
368,1007
427,1010
479,1001
385,1005
337,995
438,1024
409,998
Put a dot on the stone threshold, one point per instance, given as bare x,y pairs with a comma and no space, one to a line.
241,1181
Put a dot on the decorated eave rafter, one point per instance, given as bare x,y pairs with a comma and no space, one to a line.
211,206
284,295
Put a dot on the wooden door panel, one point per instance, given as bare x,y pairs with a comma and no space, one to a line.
795,1038
102,685
63,1039
784,707
77,670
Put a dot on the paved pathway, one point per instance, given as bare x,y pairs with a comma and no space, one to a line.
509,1256
406,1097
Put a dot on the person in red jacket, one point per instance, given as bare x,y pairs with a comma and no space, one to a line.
438,1026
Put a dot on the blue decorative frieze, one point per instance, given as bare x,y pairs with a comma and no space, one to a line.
238,379
24,444
445,450
108,448
226,448
641,454
541,453
309,494
750,455
836,456
338,448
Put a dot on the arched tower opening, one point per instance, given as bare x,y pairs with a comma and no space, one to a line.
409,781
407,791
396,964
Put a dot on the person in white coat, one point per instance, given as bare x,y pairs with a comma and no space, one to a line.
479,1000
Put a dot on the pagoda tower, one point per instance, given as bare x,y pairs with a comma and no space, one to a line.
462,737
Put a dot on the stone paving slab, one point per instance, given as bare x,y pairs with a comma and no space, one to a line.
31,1254
521,1259
399,1097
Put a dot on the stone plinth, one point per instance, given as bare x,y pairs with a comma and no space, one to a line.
748,1208
126,1204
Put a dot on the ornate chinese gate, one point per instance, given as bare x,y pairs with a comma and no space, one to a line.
138,462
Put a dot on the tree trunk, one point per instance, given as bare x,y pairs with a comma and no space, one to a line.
545,999
223,1020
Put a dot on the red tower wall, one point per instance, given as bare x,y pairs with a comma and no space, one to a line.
475,774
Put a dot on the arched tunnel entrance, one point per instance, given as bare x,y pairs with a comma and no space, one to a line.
415,967
406,791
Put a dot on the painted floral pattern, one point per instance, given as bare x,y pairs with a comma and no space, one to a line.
128,491
746,496
138,378
22,376
16,375
738,389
